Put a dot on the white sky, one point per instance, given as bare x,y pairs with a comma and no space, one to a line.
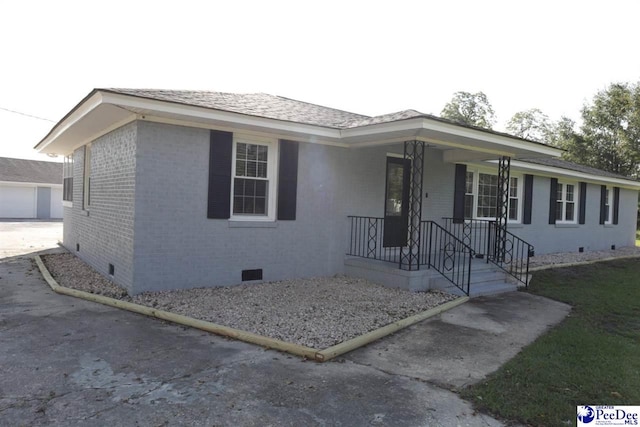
368,57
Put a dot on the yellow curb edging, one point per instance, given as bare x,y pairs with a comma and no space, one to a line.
295,349
578,263
352,344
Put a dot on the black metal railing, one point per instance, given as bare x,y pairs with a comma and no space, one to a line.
509,252
472,232
496,244
438,249
366,239
448,255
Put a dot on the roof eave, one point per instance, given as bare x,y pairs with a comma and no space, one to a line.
448,135
553,171
135,107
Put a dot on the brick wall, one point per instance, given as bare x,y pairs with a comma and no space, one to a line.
153,178
104,230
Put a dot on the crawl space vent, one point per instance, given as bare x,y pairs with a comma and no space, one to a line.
251,274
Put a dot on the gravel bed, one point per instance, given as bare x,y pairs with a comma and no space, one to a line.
72,272
317,312
572,257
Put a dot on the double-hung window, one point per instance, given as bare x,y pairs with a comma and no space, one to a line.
566,201
253,192
481,196
514,199
487,195
608,206
67,179
469,196
86,185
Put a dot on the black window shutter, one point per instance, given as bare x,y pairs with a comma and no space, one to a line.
460,188
528,199
553,198
583,203
603,203
288,180
220,152
616,204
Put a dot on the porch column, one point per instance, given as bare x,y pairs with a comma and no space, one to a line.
502,207
410,254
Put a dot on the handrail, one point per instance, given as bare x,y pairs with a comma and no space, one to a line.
448,255
483,236
438,248
512,255
366,239
473,232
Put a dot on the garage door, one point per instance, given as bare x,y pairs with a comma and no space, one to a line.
17,202
56,202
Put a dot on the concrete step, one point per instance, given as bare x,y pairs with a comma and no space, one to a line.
488,276
486,288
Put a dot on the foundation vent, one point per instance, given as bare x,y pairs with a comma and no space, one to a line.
251,274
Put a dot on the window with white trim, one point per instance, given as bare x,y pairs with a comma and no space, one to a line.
514,199
86,185
469,197
566,202
253,191
481,196
487,195
67,179
608,206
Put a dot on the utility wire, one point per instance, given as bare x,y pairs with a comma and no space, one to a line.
27,115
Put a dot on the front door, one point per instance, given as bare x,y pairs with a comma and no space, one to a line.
396,203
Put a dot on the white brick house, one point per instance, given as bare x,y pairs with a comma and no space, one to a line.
179,189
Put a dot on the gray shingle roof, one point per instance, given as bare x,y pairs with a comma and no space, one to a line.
385,118
20,170
253,104
564,164
281,108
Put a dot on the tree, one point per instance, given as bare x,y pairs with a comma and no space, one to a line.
471,109
611,130
531,124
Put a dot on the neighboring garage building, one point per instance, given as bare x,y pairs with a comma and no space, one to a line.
30,189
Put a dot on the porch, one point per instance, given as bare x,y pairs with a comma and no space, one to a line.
461,257
408,241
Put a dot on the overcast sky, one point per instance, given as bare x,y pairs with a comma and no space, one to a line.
367,57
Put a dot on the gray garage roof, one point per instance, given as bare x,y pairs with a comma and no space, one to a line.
21,170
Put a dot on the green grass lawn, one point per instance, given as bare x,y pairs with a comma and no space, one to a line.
591,358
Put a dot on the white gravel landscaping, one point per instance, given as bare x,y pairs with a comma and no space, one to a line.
573,257
317,312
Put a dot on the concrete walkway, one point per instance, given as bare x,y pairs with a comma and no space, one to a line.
71,362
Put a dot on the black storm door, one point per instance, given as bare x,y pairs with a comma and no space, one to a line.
396,202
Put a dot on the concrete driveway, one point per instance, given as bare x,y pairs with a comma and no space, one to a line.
71,362
23,237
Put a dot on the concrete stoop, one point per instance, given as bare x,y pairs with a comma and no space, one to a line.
486,279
